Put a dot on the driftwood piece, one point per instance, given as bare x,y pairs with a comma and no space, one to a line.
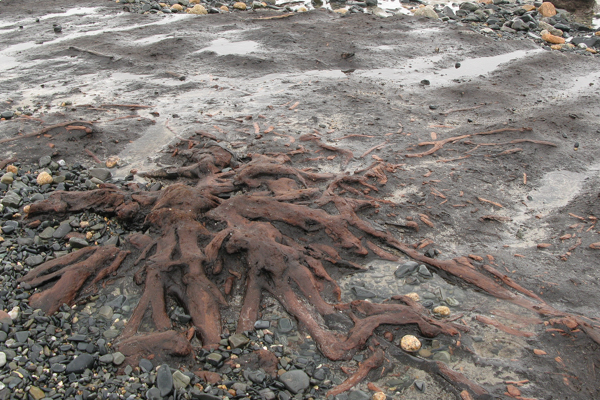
438,144
45,130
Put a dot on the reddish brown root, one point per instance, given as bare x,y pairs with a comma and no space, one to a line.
438,144
273,227
371,363
160,346
71,274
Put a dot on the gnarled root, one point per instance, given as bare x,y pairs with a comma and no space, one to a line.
71,274
162,346
371,363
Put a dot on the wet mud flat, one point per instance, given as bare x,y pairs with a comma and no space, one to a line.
495,160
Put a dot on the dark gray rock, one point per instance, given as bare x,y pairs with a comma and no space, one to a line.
256,376
519,25
420,385
62,230
295,381
32,261
424,271
238,340
58,368
106,359
406,269
44,161
260,324
78,243
100,173
470,7
11,199
285,325
153,394
145,365
164,380
47,233
449,12
320,374
358,395
588,41
118,358
361,293
21,336
7,114
214,359
80,364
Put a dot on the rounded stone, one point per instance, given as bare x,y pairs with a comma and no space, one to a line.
118,358
198,10
44,178
410,343
442,311
547,9
379,396
239,5
295,381
413,296
112,161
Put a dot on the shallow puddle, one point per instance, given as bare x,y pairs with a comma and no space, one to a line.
7,60
424,68
225,47
556,190
150,39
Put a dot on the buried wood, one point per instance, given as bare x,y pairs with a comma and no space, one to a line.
249,228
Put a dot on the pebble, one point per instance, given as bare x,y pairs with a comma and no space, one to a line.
406,269
180,380
238,340
425,353
443,356
80,363
410,343
295,381
239,5
164,380
361,293
550,38
7,114
420,385
547,9
285,325
102,174
199,10
145,365
358,395
442,311
118,358
44,178
413,296
427,12
36,393
7,178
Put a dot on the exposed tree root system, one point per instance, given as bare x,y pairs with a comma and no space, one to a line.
222,233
